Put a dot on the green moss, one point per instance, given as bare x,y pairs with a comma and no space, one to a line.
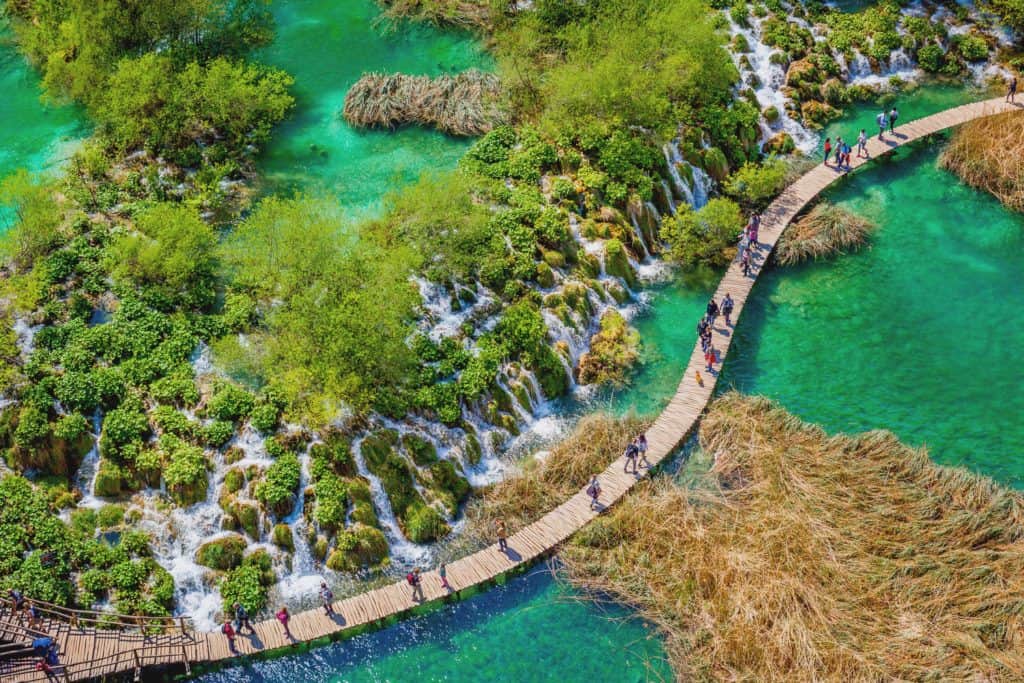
419,449
282,537
358,548
613,350
234,480
110,516
110,480
472,448
248,518
222,554
616,262
424,524
280,484
451,487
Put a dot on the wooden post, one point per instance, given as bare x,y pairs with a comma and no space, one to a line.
138,665
181,625
184,655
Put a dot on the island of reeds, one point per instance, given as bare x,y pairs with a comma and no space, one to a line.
987,154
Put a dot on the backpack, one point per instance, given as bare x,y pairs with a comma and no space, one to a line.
411,579
227,630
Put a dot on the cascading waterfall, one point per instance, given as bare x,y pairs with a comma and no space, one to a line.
303,579
404,552
85,478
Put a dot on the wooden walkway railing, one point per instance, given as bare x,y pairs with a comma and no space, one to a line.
133,652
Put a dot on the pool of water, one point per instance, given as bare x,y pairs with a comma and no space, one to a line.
327,45
530,629
33,136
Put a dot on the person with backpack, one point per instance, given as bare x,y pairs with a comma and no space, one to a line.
1011,89
745,265
242,619
710,359
727,307
641,447
35,617
630,454
893,115
828,149
283,617
883,121
594,491
229,633
846,156
414,580
712,312
327,598
502,535
839,151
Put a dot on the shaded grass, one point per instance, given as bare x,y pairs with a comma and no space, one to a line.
464,104
988,154
824,231
807,557
466,14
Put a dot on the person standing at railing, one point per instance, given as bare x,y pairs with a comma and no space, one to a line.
18,600
35,617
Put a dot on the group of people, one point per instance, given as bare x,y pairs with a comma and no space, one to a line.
43,646
840,151
636,452
748,243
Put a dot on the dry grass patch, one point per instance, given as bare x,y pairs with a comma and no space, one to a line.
824,231
464,104
804,557
467,14
541,486
988,154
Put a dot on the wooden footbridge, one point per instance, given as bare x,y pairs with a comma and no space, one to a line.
90,648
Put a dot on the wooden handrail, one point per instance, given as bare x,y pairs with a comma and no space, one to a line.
105,620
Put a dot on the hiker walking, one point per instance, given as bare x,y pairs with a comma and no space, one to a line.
229,633
710,359
502,534
846,156
1011,89
746,264
242,619
283,617
862,144
18,600
414,580
631,452
327,597
594,491
712,311
442,571
893,115
883,121
727,306
35,617
641,447
839,151
828,149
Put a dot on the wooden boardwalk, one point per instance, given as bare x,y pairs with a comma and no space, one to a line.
84,658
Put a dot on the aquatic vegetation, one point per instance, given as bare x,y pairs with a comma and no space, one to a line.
464,104
824,231
849,557
613,351
985,154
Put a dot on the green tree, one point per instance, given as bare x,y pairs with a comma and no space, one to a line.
35,226
703,237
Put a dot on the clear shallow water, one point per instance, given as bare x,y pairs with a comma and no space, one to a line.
32,136
917,334
531,629
327,45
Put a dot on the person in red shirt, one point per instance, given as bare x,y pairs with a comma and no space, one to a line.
709,357
229,633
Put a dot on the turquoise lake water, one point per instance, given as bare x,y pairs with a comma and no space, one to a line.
327,45
531,629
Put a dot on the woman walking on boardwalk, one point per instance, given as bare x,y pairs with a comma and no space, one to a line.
727,306
828,149
883,121
862,144
1011,89
594,491
502,534
283,617
641,447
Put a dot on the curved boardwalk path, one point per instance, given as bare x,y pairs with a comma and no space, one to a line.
674,424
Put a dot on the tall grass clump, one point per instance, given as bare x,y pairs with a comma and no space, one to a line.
804,557
467,14
824,231
988,154
464,104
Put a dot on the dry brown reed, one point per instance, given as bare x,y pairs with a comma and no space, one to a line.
988,154
467,14
824,231
542,485
464,104
804,557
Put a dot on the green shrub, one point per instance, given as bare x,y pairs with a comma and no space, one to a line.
186,470
243,585
704,236
222,554
279,485
931,58
110,516
264,418
754,185
230,403
424,524
282,537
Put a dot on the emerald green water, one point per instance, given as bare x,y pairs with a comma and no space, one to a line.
327,45
33,136
528,630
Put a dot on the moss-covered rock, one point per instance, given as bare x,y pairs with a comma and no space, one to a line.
234,480
110,480
780,143
282,537
362,503
320,546
419,449
818,113
357,548
222,554
613,350
247,517
715,163
424,524
450,487
617,292
616,262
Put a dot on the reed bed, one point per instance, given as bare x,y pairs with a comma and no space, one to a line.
824,231
804,557
464,104
467,14
988,154
542,485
